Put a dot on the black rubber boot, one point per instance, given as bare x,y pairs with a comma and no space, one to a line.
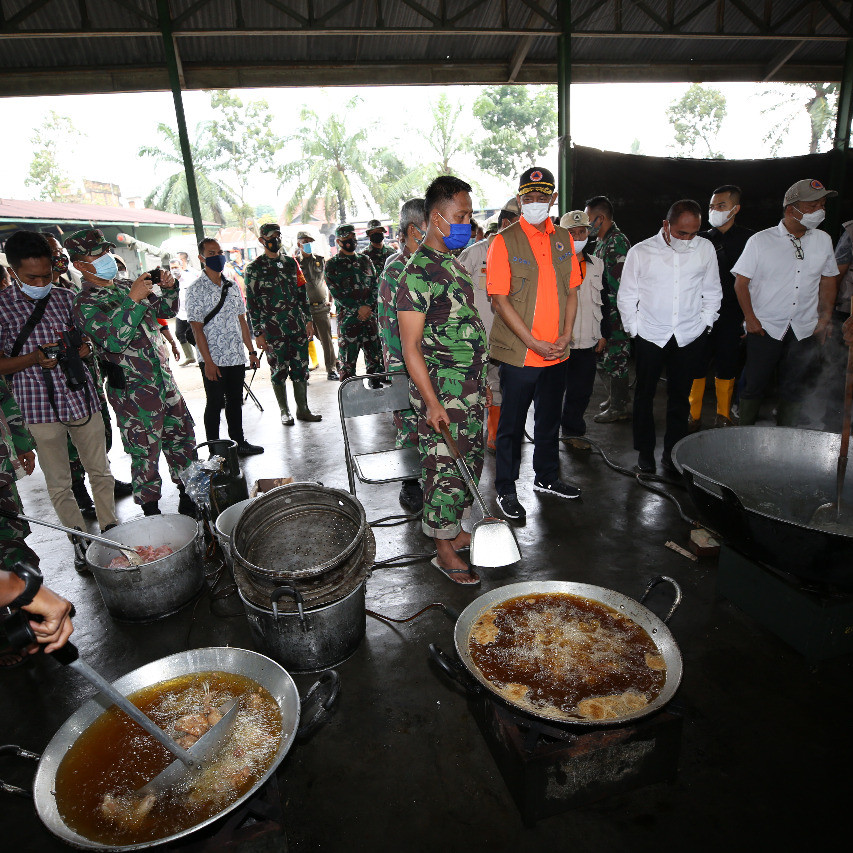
186,505
83,498
151,508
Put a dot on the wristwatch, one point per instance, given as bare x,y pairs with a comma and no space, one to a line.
32,579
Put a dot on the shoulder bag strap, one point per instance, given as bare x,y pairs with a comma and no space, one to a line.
32,322
223,296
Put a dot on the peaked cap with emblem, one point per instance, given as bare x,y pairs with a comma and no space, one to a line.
343,230
536,179
88,241
269,228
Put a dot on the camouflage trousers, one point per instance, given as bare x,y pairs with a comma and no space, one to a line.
288,356
406,423
614,360
463,395
78,473
166,425
355,335
13,549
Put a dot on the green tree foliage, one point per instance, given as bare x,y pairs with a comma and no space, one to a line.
172,195
396,182
696,118
46,172
332,166
445,138
786,103
520,127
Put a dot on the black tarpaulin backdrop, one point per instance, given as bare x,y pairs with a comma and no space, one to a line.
642,188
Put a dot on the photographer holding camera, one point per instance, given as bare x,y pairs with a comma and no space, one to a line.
41,350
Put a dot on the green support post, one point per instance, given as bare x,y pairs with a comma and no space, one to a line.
842,140
165,22
564,80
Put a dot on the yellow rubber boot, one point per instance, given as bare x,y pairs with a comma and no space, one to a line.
697,392
313,362
725,391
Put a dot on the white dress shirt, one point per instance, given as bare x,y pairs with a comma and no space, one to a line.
664,293
784,289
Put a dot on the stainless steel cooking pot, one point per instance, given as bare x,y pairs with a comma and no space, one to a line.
226,521
156,589
656,629
261,669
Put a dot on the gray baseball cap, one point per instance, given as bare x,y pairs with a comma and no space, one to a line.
807,190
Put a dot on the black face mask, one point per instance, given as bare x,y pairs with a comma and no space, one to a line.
348,245
273,244
377,239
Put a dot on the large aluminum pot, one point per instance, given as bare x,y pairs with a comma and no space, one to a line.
634,610
226,521
759,488
153,590
309,639
264,671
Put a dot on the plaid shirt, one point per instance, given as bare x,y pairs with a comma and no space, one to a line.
28,385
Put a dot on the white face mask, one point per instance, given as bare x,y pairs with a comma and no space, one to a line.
579,245
718,218
536,212
681,246
812,220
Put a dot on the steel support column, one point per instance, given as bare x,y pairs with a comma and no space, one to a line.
165,24
564,80
842,140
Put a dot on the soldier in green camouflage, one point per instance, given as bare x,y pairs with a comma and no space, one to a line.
352,282
612,247
120,316
281,318
377,251
444,347
412,229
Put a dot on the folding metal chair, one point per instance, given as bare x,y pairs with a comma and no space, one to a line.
356,399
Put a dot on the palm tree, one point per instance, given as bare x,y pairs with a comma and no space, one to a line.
819,100
172,195
332,166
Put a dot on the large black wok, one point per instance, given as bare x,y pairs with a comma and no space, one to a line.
759,487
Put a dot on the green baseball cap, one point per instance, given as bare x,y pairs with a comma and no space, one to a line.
343,230
88,241
269,228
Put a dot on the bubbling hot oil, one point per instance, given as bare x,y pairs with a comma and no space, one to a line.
550,651
114,756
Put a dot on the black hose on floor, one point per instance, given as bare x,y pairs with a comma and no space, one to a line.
448,612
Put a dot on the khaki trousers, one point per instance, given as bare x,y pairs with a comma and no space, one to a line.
52,449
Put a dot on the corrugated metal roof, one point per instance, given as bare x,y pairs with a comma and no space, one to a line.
58,211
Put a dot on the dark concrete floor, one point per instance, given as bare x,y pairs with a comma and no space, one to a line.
766,744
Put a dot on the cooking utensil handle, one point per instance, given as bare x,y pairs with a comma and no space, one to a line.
69,655
323,693
694,478
676,600
462,465
295,594
80,534
454,669
5,787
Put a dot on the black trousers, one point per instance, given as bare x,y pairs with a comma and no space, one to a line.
580,378
226,392
181,328
680,363
722,349
521,386
791,359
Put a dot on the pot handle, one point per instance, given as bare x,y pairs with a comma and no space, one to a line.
455,669
676,599
322,698
277,593
694,478
5,787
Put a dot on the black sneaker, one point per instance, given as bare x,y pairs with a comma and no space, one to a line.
412,496
122,490
375,383
511,508
645,465
668,465
558,488
333,375
246,449
151,508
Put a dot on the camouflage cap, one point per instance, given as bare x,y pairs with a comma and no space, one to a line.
269,228
492,228
87,242
574,219
304,235
343,230
376,225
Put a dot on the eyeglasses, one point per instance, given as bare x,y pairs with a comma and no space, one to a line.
798,247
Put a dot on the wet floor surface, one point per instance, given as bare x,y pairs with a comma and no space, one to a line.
766,743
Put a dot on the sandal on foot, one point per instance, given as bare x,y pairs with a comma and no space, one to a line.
449,575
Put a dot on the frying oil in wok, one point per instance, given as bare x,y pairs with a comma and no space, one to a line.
114,757
551,651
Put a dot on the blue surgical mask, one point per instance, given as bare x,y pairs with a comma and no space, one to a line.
35,292
216,262
460,234
106,267
306,248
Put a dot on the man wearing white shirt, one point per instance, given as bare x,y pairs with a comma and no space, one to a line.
786,283
669,297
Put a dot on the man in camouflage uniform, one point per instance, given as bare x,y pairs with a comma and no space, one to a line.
120,317
412,229
352,282
313,267
281,317
444,347
612,247
377,251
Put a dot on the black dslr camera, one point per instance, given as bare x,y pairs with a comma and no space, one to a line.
67,352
